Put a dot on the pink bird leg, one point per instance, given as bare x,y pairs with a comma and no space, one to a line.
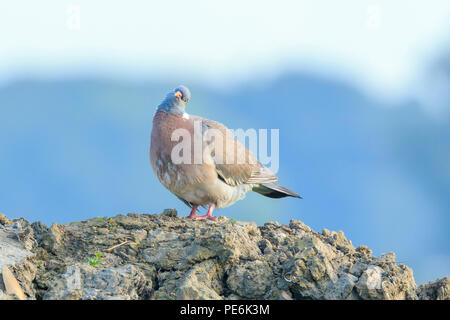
208,215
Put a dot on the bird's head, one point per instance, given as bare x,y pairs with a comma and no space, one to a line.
176,100
182,93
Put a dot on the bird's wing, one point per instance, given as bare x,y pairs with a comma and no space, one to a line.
234,163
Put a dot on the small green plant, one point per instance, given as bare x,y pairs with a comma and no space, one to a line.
111,225
96,260
233,221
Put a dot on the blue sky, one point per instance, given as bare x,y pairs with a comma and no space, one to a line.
383,46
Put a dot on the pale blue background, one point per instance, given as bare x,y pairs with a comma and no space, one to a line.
360,93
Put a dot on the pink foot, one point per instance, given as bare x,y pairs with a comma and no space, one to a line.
193,215
208,215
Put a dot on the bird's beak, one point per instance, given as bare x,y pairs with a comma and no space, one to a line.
178,94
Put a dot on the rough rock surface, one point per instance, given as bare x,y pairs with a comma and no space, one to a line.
167,257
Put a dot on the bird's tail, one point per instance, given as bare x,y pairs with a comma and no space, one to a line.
273,190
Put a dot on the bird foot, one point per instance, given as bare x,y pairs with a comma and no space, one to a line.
196,217
193,215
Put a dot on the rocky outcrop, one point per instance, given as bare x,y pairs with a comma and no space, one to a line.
168,257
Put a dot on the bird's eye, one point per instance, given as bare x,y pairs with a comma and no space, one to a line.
178,94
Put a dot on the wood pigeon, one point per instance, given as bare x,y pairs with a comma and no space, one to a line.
201,162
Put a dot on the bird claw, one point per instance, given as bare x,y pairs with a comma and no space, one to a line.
196,217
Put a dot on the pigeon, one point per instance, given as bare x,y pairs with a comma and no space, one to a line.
215,169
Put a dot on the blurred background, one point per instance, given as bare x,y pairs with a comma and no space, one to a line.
359,91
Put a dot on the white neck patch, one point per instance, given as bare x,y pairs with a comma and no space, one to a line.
186,115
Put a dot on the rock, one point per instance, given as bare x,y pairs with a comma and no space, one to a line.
16,249
4,221
50,239
200,282
370,283
12,287
13,249
364,250
285,295
81,281
172,213
250,279
435,290
388,257
142,256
